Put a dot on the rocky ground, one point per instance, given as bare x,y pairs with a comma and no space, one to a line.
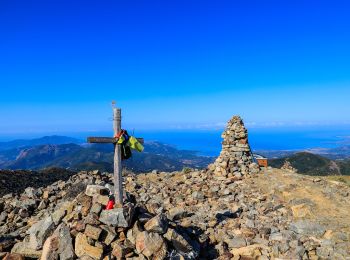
275,214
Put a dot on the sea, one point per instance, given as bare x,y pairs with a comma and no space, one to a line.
208,142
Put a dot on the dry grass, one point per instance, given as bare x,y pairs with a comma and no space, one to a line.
342,178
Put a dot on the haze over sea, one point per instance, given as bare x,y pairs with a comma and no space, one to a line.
208,142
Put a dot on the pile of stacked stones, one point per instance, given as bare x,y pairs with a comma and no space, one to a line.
235,158
288,166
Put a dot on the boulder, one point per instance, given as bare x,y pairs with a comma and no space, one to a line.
198,195
301,210
150,244
93,232
133,232
120,251
248,252
65,244
179,242
24,249
158,224
236,242
50,248
10,256
31,193
58,215
83,248
176,213
101,199
96,208
108,235
39,232
93,190
118,217
306,227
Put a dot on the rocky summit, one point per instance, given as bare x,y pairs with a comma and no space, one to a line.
191,214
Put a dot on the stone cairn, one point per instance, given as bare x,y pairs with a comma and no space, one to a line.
235,158
288,166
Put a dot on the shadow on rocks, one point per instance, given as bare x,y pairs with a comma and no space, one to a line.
227,215
199,241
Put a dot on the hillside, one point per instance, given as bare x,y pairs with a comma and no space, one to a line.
18,181
312,164
89,157
337,153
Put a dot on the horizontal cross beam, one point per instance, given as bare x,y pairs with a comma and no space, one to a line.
107,140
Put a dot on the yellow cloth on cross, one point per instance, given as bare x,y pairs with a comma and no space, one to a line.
121,139
135,144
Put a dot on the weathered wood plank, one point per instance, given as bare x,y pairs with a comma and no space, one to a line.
108,140
118,178
102,140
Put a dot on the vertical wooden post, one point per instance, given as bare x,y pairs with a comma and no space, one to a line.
118,178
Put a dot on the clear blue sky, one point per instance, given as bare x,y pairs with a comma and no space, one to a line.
172,64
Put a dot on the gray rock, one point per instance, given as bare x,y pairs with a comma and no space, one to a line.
96,208
39,232
118,217
157,224
198,195
324,252
42,205
305,227
236,242
58,215
108,235
179,243
93,190
65,247
26,203
8,196
32,193
23,248
176,213
276,237
3,216
152,245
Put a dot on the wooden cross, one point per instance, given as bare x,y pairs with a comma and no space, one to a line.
117,177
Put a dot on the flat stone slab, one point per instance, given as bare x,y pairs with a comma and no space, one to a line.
118,217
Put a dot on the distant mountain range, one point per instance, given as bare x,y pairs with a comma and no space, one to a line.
71,153
74,154
313,164
53,139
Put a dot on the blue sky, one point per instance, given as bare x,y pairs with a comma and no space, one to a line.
172,64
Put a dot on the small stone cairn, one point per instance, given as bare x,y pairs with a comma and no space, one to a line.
235,158
288,166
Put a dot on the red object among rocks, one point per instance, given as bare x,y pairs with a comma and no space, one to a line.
111,202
